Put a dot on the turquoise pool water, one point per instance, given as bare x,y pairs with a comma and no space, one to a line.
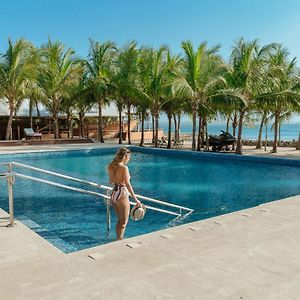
210,184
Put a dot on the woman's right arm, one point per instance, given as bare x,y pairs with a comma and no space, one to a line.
129,187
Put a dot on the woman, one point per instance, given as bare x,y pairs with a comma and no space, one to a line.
119,176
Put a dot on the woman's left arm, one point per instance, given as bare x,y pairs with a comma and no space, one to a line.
129,187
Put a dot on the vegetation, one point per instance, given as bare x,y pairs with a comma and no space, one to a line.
258,82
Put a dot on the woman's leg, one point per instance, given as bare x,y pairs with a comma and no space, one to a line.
118,218
123,207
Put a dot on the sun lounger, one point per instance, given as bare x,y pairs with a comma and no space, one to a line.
30,134
177,143
162,143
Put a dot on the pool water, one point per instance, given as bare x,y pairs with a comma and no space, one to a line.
209,184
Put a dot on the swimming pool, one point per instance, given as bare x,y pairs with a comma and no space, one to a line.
211,184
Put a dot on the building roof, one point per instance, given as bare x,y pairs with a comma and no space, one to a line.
107,111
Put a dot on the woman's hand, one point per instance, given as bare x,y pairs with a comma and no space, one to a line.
138,203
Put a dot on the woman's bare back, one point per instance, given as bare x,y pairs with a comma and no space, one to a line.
116,174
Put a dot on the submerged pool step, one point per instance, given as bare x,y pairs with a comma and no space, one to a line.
45,234
28,222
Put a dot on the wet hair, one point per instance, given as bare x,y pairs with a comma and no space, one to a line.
119,156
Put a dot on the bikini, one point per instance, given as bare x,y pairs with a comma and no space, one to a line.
119,191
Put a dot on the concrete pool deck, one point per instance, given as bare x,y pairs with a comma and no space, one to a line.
286,152
249,254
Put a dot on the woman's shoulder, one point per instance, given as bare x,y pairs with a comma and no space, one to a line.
116,167
123,167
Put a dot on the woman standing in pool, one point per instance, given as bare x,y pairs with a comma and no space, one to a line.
119,176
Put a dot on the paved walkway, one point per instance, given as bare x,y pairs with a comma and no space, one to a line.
247,150
249,254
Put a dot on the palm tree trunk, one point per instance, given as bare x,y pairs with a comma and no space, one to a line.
194,129
175,125
202,132
153,128
199,134
279,134
9,123
275,144
142,134
81,124
266,135
178,128
227,123
69,124
298,143
38,114
37,109
128,123
259,140
239,145
120,127
30,113
206,133
234,124
169,129
100,123
156,128
56,129
79,128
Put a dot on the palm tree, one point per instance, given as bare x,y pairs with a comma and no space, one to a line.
56,72
172,98
34,95
127,78
17,66
158,82
201,79
193,61
248,66
144,102
99,65
281,93
263,121
116,97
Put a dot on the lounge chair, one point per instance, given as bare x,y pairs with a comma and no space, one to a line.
177,143
30,134
162,143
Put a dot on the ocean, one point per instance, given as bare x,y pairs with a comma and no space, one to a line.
289,131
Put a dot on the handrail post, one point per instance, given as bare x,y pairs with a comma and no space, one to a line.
10,182
108,216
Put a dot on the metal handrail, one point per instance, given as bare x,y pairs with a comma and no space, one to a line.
95,185
79,190
10,179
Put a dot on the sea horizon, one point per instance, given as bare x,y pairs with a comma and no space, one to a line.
289,131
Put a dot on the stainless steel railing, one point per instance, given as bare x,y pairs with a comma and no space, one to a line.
10,176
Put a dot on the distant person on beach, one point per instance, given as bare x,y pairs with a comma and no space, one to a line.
119,176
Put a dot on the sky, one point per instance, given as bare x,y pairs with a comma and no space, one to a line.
152,23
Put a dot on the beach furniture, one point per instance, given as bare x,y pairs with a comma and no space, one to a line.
177,143
30,134
162,143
